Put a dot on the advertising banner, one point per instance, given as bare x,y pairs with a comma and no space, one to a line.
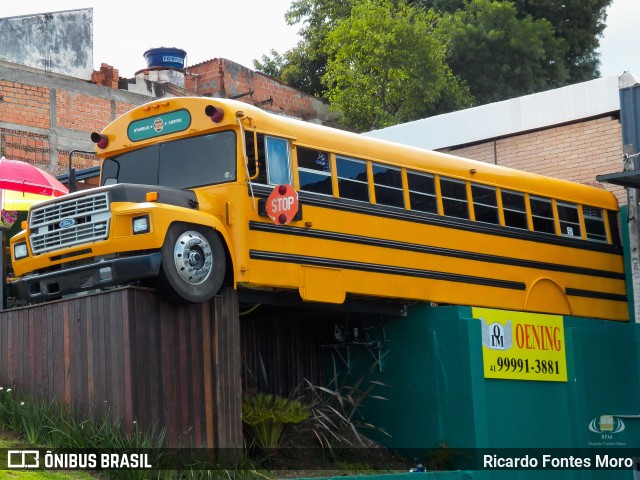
522,346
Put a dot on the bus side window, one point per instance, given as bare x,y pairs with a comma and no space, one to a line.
256,156
569,220
454,198
542,215
613,227
387,183
485,204
278,160
314,171
352,179
515,209
594,224
422,192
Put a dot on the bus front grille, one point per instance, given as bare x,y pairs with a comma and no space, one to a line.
69,223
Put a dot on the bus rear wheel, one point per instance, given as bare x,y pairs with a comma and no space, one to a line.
193,263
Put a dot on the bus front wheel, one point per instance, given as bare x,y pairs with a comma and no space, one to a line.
193,263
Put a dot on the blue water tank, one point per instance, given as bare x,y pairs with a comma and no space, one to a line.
166,57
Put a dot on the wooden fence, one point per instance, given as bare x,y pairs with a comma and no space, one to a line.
129,354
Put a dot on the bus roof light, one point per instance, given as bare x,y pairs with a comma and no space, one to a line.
214,113
151,197
100,140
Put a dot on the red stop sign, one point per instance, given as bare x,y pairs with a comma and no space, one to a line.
282,204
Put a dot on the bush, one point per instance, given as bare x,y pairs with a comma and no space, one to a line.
267,416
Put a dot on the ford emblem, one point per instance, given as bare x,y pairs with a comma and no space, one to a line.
67,222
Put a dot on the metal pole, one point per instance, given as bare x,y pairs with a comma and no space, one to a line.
634,235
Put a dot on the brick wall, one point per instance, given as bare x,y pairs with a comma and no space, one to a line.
24,104
45,117
578,152
223,78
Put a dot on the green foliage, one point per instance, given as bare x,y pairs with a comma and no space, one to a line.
335,408
54,425
580,23
499,55
494,50
386,68
49,424
304,65
301,67
267,416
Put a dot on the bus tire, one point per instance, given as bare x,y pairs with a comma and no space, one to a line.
193,263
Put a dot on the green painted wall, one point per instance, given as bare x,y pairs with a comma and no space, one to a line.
437,392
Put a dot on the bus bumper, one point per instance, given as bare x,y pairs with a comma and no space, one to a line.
104,273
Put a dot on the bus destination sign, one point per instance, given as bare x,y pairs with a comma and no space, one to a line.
159,125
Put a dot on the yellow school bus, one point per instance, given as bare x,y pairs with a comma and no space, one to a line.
185,196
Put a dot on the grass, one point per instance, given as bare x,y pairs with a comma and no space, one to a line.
28,422
8,440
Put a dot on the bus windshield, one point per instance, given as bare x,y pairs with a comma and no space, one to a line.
191,162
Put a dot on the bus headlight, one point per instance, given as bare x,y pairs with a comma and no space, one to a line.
20,251
141,225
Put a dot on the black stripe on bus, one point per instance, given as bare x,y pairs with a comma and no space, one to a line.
386,269
364,208
577,292
447,252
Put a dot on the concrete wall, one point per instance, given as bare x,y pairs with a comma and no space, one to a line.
60,42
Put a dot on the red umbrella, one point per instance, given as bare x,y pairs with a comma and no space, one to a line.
24,177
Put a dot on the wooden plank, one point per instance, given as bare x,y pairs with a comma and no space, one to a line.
127,357
207,356
66,355
89,340
235,439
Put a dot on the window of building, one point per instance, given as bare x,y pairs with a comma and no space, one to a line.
422,192
352,179
387,182
454,198
314,171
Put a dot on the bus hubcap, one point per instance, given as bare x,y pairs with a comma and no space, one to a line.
193,257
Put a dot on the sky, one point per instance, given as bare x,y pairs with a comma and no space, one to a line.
244,30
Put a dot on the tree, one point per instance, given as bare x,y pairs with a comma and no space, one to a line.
304,65
580,23
385,66
301,67
499,55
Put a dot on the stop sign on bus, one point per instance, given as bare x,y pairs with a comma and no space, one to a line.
282,204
